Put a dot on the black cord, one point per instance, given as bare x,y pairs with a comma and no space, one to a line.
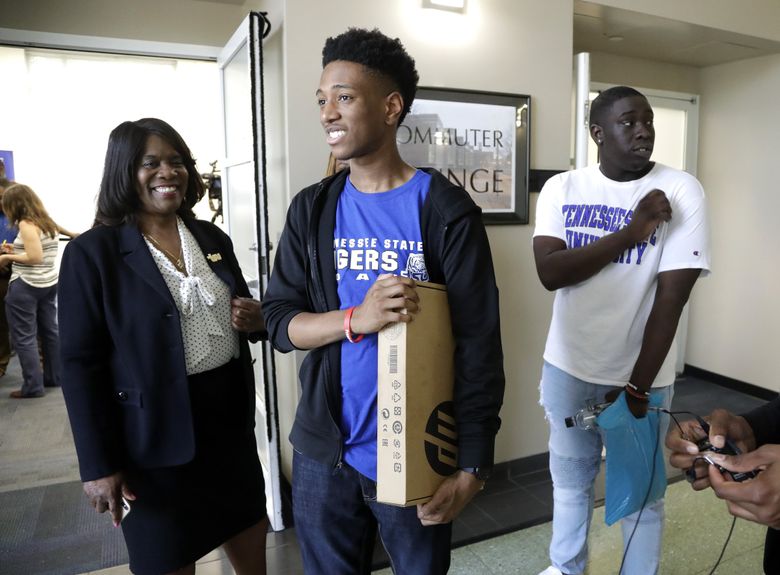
647,496
734,520
723,551
652,476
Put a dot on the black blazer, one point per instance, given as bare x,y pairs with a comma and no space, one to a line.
123,371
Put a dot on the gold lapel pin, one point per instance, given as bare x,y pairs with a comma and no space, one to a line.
214,258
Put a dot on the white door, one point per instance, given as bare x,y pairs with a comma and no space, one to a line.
246,217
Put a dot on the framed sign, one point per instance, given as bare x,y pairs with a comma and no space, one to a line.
479,141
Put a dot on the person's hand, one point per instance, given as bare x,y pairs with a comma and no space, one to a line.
637,407
105,494
685,453
754,499
391,299
246,315
724,424
652,210
6,248
449,499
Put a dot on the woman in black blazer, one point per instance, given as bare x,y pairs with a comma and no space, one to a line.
155,318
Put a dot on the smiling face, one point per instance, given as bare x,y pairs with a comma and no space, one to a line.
358,110
162,179
625,138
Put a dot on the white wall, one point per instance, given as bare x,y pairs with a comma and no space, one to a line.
751,17
516,46
735,317
614,69
184,21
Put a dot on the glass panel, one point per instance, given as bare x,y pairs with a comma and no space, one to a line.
238,106
670,130
241,205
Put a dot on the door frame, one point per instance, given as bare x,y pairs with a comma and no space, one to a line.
249,35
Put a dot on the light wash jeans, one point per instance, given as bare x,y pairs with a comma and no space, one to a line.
575,457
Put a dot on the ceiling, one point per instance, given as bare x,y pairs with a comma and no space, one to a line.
599,28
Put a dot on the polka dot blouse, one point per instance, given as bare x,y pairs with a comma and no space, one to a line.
203,301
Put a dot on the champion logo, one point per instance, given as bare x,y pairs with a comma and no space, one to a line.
696,253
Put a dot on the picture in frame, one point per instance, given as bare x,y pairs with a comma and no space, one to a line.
479,141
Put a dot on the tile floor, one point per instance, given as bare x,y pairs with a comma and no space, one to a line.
697,527
505,530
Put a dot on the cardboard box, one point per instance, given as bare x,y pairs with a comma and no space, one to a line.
416,435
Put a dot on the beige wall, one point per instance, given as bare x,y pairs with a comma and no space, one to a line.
735,317
183,21
614,69
751,17
507,46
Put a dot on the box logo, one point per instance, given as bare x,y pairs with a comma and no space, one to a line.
441,439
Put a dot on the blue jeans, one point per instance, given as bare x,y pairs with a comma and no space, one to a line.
575,457
32,314
337,518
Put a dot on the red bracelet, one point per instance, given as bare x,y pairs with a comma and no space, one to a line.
641,396
348,326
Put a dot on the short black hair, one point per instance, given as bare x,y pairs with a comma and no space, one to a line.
604,101
118,200
380,54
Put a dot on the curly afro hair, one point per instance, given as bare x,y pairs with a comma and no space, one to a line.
380,54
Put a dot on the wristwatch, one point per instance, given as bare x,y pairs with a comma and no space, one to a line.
482,473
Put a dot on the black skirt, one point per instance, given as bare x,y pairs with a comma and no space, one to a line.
182,513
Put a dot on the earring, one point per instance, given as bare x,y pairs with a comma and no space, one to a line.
599,142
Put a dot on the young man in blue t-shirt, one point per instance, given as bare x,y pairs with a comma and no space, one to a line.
352,248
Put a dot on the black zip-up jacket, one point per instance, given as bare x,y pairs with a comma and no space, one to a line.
765,422
457,254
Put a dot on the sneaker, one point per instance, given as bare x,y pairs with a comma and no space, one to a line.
18,395
551,571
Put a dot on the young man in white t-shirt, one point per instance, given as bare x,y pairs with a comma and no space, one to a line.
622,244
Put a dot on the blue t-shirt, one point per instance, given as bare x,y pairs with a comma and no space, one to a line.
7,232
375,234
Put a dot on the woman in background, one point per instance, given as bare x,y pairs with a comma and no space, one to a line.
155,318
31,301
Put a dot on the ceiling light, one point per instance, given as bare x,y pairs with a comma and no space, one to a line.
449,5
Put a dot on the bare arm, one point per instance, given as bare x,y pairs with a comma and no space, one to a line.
390,299
65,232
671,294
33,249
559,267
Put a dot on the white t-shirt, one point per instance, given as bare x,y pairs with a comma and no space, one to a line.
598,325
